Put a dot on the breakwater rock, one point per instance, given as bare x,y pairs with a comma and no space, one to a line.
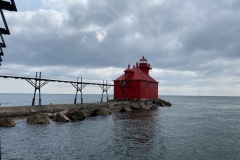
78,112
6,122
38,119
161,102
60,117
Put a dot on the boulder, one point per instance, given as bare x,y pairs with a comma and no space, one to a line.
94,113
90,110
64,112
144,104
50,115
154,107
115,107
60,118
126,109
161,102
168,104
6,122
103,111
32,111
148,106
87,113
75,114
98,110
135,106
38,119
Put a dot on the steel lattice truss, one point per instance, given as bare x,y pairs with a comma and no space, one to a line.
9,6
38,82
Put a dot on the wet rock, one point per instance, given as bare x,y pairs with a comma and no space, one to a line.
115,107
61,118
135,106
168,103
50,115
38,119
64,112
94,112
75,114
32,111
146,106
103,111
6,122
99,110
126,109
154,107
90,110
161,102
86,113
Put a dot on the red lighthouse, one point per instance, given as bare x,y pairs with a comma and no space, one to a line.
136,84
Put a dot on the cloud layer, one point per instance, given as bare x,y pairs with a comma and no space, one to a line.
190,44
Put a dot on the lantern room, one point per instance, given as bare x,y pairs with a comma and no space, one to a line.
136,83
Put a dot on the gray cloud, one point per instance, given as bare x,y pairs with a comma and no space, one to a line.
200,37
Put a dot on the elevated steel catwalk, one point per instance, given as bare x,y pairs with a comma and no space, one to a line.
51,80
38,82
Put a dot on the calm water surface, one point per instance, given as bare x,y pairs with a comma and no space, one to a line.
11,99
201,128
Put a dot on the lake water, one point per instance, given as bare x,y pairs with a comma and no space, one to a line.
11,99
195,128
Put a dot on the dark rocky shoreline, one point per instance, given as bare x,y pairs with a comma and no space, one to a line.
69,112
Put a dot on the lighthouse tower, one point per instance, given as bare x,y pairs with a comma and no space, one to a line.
136,83
144,66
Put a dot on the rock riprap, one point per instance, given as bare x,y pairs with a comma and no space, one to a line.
103,111
76,114
70,112
162,103
58,117
6,122
38,119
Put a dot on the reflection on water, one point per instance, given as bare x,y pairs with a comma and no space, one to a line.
135,134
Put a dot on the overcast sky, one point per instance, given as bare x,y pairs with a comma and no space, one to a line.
193,46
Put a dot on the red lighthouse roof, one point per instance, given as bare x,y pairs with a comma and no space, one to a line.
128,69
138,74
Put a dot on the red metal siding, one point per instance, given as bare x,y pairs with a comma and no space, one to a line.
133,90
149,90
117,90
136,90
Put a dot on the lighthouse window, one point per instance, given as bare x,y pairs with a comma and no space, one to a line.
143,62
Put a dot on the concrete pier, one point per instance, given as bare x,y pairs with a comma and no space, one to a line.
22,111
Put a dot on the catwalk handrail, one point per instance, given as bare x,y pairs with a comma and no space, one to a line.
52,80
